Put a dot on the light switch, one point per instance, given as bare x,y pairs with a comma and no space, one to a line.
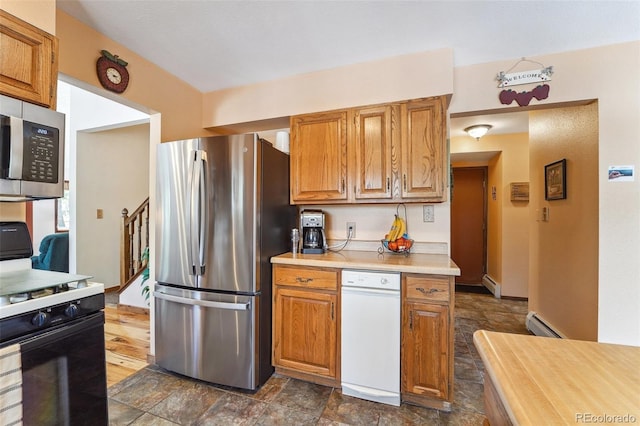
428,214
99,214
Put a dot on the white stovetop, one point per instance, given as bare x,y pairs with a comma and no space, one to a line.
18,277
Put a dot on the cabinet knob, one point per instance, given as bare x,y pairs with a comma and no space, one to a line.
304,280
388,184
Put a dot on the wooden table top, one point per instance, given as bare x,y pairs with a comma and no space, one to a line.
549,381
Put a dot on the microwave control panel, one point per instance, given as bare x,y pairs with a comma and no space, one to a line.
41,153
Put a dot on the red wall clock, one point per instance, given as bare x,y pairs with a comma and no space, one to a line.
112,72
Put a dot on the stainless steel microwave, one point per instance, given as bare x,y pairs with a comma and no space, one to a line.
31,151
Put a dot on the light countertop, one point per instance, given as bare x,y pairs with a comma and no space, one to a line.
438,264
542,380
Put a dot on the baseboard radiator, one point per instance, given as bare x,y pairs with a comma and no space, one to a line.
540,327
491,285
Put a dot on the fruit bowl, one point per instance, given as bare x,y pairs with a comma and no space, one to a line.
401,245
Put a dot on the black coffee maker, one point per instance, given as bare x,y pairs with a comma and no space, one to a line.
312,225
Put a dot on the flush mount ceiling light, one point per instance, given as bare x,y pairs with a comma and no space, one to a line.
477,131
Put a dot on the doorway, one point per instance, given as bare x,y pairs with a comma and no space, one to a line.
469,224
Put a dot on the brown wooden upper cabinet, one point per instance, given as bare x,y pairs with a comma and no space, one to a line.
372,140
318,155
28,62
424,150
380,153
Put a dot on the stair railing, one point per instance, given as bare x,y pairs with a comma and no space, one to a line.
133,242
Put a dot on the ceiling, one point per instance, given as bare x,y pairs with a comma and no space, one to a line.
213,44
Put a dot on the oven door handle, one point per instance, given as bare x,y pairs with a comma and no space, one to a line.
79,326
203,303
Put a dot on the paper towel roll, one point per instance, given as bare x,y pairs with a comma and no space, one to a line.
282,141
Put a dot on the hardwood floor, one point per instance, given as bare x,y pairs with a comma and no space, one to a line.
126,334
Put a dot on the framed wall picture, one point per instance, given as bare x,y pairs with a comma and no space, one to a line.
555,180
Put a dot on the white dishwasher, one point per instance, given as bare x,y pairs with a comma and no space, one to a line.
370,341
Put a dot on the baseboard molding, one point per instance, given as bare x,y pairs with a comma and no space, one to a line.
494,287
538,326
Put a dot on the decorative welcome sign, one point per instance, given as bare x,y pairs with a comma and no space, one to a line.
508,79
507,96
524,77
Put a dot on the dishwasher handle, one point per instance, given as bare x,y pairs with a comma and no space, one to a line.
370,291
203,303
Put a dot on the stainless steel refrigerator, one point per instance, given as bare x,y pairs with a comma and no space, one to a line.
222,212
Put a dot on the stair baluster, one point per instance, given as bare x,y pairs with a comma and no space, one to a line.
135,230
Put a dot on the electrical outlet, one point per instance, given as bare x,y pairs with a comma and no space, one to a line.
351,229
428,214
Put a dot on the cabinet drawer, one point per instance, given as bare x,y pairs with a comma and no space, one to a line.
427,287
306,277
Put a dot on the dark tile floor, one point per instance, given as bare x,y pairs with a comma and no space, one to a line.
155,397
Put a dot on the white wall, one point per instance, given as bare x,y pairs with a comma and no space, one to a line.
374,221
113,173
44,223
132,295
391,79
84,111
581,75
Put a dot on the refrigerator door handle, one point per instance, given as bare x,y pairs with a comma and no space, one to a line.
198,213
191,214
203,303
203,210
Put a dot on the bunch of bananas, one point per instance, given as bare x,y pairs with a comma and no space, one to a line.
397,239
398,229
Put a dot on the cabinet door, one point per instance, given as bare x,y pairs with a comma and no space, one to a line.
424,150
318,152
28,56
305,331
372,140
425,349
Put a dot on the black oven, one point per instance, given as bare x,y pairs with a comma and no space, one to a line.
63,375
52,349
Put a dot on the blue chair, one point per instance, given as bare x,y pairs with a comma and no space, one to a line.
54,253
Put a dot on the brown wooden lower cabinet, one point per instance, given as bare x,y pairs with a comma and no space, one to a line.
427,340
306,331
305,324
426,363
